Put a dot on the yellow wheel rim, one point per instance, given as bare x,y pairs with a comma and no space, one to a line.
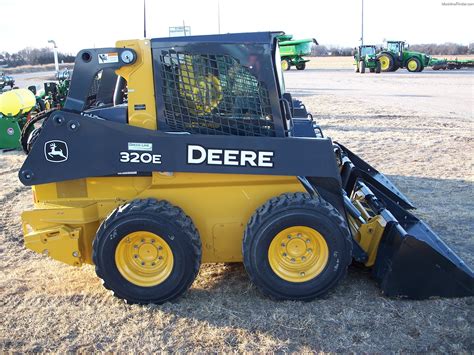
298,254
144,259
384,62
412,65
284,65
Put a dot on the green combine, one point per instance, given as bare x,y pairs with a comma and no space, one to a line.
396,55
365,57
292,52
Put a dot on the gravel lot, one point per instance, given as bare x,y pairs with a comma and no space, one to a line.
417,128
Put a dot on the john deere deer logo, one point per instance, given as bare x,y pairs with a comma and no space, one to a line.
55,151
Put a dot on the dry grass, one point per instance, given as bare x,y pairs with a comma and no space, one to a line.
47,306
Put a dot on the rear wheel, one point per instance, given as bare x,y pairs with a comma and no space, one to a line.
301,66
387,62
147,251
362,67
414,65
377,68
285,64
296,247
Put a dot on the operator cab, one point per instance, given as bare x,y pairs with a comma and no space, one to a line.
215,85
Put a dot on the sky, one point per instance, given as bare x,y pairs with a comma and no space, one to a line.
79,24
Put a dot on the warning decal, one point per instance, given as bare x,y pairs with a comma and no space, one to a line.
105,58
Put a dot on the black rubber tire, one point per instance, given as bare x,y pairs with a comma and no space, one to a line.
362,67
378,68
285,62
159,217
301,66
418,65
356,67
391,61
279,213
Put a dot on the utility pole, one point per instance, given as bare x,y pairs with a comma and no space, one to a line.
55,50
144,18
362,29
184,28
218,16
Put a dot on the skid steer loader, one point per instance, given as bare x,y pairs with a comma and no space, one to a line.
173,152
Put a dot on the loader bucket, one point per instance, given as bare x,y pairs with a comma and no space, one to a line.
411,261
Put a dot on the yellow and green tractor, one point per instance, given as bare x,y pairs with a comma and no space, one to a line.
396,55
173,152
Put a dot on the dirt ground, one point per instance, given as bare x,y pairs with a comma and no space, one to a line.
417,128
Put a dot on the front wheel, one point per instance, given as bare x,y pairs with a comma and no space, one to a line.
414,65
362,67
296,247
147,251
285,64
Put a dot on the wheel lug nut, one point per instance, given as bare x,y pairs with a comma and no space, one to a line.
135,256
160,257
303,258
283,244
307,240
143,240
302,273
153,264
289,236
153,240
284,254
143,263
292,260
309,250
299,235
160,248
135,246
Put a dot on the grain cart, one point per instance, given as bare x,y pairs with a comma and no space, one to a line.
15,106
396,55
365,57
6,80
211,160
292,51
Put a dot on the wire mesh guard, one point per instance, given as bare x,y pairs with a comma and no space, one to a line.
213,94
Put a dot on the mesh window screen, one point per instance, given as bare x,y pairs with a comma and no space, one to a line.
213,94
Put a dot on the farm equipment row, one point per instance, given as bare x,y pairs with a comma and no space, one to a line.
21,109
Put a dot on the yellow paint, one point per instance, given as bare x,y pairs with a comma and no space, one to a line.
369,235
285,65
384,62
298,254
412,65
140,84
220,206
143,258
203,93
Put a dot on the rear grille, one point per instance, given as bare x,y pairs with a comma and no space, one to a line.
213,94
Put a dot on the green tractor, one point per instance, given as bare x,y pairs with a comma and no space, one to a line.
396,55
292,51
365,57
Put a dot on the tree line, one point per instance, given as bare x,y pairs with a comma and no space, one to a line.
33,56
430,48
